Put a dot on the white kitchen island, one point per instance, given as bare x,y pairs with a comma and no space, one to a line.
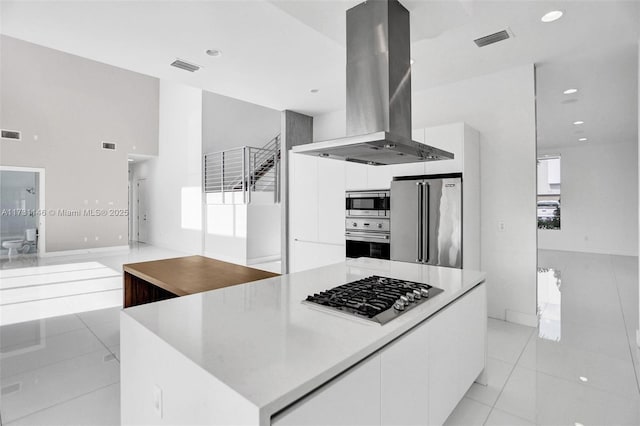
253,354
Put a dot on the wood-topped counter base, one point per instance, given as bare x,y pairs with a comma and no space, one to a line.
147,282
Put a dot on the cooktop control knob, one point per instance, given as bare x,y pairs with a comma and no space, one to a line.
404,300
417,294
410,296
424,291
399,305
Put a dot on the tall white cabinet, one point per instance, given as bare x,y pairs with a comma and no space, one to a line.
317,195
316,205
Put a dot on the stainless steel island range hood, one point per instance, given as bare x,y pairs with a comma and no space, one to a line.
378,91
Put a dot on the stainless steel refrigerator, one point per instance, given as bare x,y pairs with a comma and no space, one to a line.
426,219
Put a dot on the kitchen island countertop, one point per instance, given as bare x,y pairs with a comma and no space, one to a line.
261,341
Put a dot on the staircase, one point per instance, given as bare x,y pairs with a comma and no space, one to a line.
244,171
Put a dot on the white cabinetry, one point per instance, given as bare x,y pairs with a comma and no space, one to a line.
418,379
316,212
457,352
304,197
352,399
404,381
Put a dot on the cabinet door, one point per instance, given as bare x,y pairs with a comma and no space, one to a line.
379,177
304,197
457,337
410,169
356,176
404,389
309,255
352,399
331,186
449,137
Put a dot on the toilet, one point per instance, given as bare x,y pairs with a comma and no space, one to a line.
15,245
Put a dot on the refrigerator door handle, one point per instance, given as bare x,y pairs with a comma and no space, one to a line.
426,238
420,186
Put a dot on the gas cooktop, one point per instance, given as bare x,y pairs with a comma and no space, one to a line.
375,298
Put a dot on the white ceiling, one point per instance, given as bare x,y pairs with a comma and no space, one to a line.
275,51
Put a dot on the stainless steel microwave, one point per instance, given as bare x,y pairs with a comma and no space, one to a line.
367,203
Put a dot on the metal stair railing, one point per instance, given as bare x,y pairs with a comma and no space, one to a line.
246,169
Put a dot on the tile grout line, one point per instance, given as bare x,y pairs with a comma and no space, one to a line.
5,349
493,407
60,282
57,362
624,321
586,385
60,297
63,402
99,340
47,273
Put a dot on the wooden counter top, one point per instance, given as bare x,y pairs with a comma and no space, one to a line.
182,276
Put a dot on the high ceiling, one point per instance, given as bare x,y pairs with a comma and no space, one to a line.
275,51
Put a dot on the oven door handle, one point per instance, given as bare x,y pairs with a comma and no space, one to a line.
364,236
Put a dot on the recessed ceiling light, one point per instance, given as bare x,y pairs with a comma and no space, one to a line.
314,90
412,61
578,424
583,379
214,52
577,123
131,160
570,91
554,15
583,140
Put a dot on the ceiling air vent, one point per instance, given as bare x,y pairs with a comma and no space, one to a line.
179,63
109,145
493,38
11,134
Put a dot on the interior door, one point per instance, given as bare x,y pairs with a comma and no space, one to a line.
142,211
405,219
444,237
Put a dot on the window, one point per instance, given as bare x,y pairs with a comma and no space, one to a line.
549,192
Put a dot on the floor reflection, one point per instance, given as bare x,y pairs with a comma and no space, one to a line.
549,304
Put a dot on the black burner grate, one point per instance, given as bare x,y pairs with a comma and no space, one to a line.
374,297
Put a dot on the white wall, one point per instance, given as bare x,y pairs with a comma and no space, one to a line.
549,175
501,107
239,233
226,232
599,207
243,233
174,177
230,123
66,106
263,230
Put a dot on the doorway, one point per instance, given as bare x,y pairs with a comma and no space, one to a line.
142,211
23,209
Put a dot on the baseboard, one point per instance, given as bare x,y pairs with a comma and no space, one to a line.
84,251
230,259
264,259
593,251
530,320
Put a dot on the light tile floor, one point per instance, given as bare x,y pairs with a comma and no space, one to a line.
578,367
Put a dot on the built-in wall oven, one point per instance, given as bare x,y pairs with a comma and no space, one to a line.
367,224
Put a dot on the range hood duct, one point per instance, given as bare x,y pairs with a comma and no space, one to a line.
378,91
